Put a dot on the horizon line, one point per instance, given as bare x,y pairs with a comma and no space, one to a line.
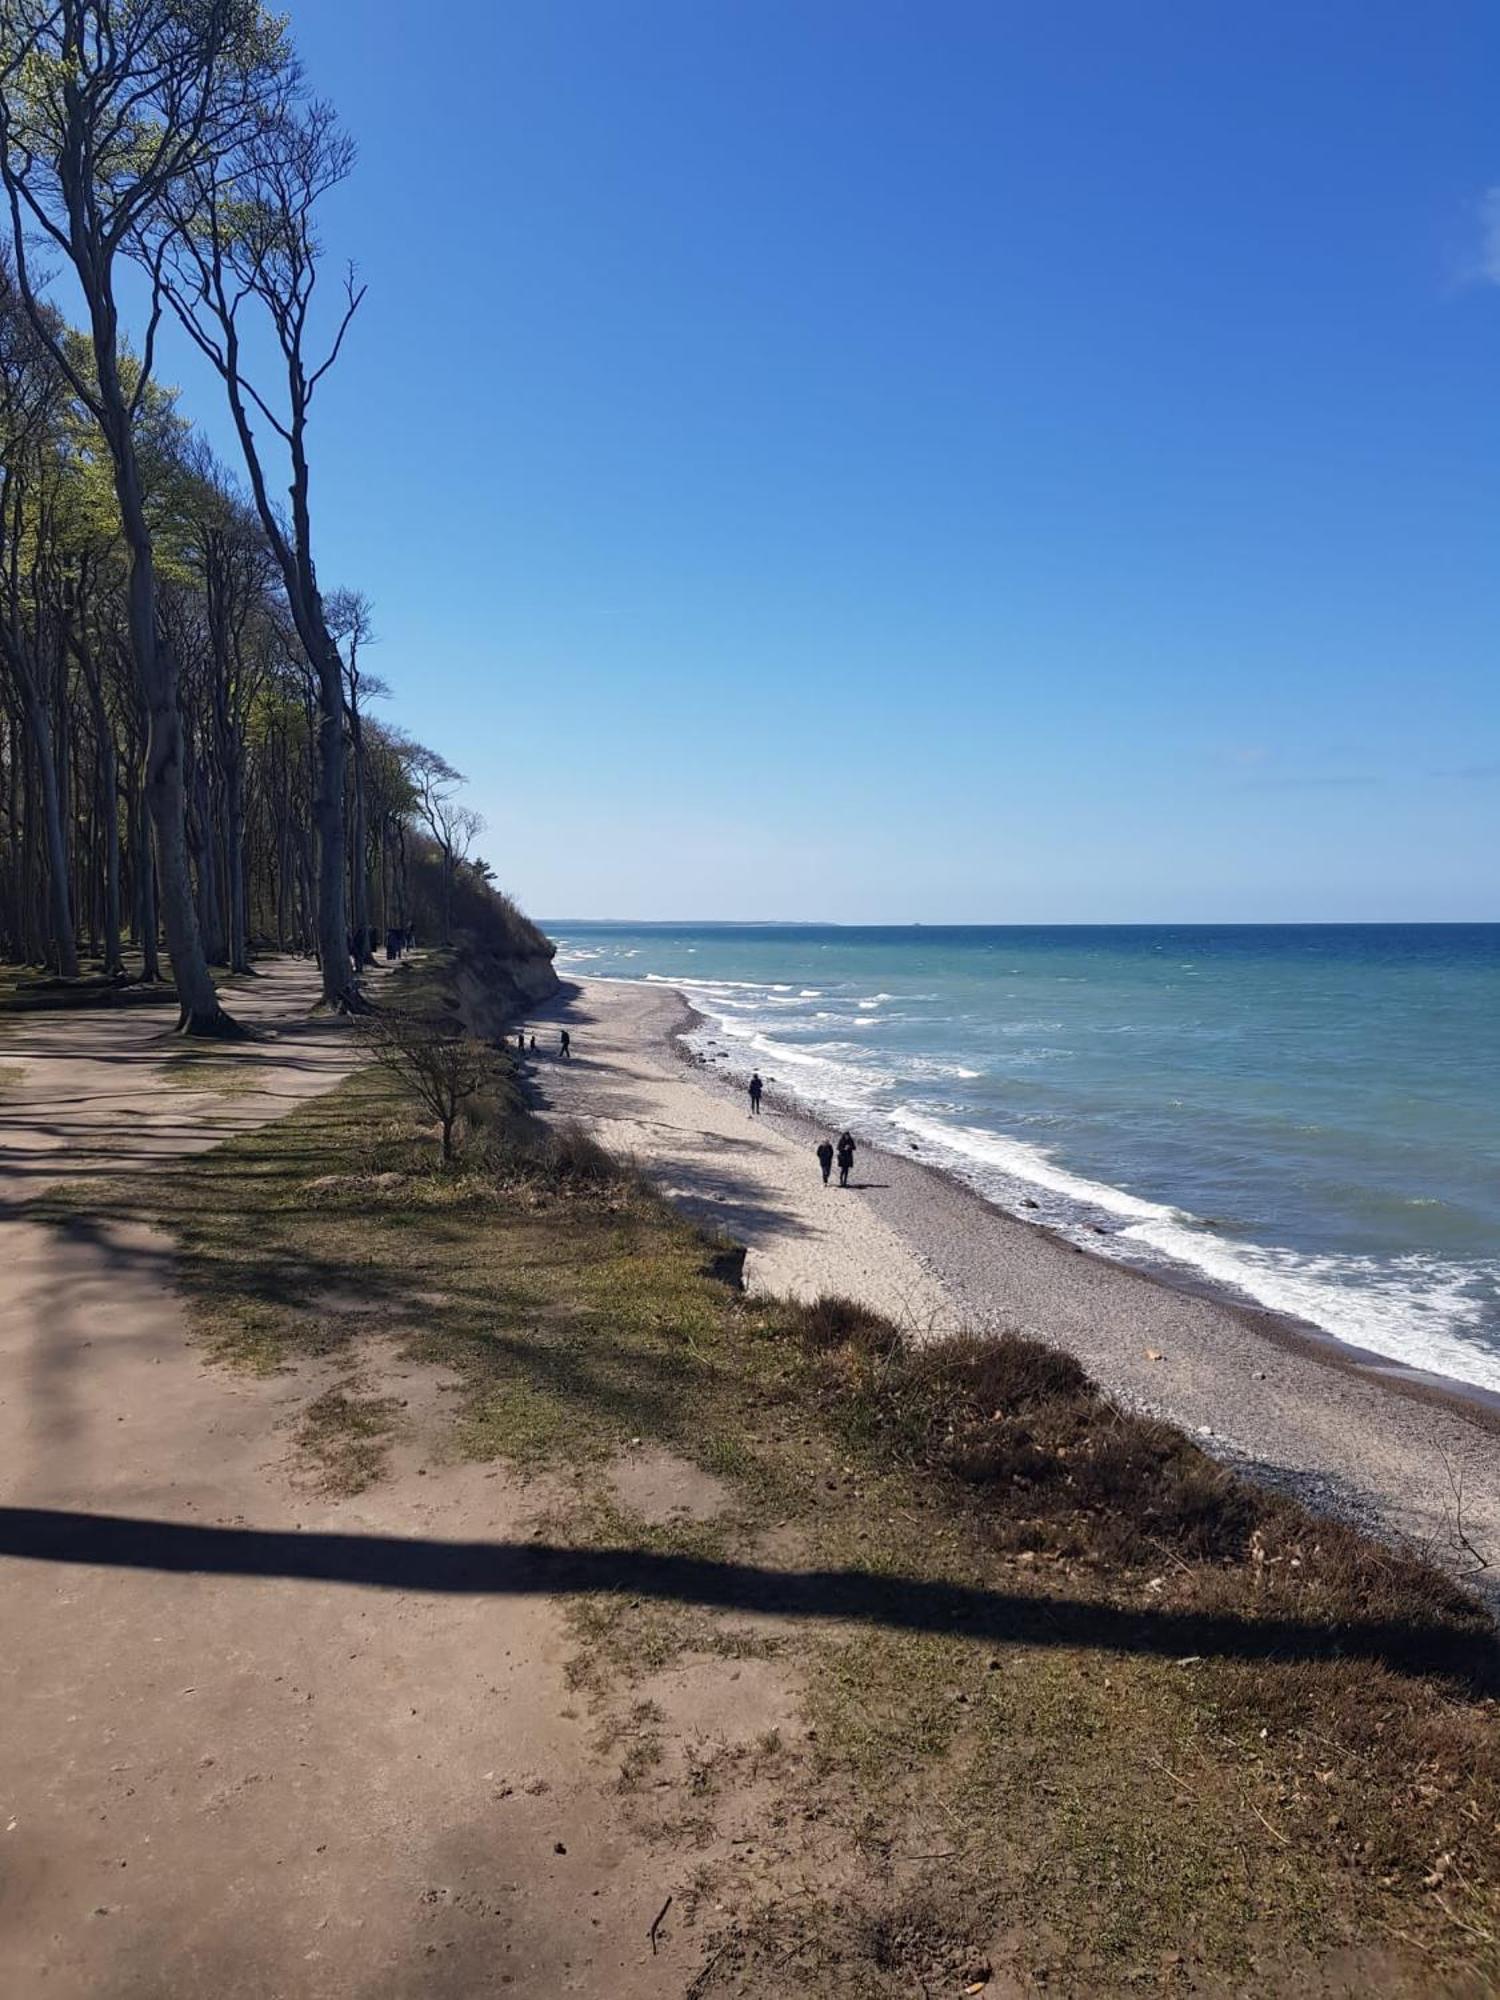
1021,924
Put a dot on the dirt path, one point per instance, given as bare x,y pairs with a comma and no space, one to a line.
219,1785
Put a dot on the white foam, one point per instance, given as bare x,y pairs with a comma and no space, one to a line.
1414,1310
1026,1162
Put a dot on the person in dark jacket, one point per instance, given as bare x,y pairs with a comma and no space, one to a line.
756,1087
846,1157
825,1159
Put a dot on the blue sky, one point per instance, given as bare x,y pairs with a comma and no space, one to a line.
948,462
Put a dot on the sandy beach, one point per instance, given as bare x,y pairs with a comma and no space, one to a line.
1346,1432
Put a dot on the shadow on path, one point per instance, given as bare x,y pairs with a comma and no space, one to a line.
912,1604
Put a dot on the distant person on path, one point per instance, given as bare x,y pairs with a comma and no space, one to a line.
846,1157
565,1046
521,1040
825,1159
533,1045
756,1087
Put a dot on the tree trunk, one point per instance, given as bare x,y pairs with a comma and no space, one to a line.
211,924
359,873
199,1012
339,989
64,941
109,808
146,896
234,841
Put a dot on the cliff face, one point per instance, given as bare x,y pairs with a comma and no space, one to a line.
494,986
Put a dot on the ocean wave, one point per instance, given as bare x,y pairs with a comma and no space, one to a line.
1415,1309
716,985
1022,1161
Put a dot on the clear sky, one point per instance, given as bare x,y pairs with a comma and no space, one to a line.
1029,459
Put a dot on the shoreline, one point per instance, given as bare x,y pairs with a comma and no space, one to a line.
1295,1407
1298,1335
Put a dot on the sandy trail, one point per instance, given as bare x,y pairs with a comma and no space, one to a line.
1395,1454
254,1786
755,1178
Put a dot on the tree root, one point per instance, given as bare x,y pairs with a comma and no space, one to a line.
215,1027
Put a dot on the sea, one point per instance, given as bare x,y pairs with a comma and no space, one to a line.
1302,1117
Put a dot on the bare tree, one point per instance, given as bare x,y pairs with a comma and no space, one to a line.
245,235
441,1066
108,109
453,826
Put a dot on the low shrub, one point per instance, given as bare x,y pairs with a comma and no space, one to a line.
1020,1433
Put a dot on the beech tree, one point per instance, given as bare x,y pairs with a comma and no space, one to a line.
243,235
185,743
109,110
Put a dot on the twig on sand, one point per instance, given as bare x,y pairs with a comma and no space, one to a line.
656,1926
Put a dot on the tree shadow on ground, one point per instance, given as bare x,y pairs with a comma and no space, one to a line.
852,1596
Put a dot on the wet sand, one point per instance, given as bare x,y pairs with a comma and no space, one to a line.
1409,1455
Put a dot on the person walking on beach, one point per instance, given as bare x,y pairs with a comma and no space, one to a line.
756,1087
825,1159
846,1157
565,1046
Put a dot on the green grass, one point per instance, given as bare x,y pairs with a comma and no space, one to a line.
206,1066
1136,1821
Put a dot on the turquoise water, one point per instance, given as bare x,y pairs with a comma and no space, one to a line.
1307,1116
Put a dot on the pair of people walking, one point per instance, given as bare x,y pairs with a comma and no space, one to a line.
827,1151
843,1153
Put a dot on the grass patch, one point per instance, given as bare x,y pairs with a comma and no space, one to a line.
1077,1692
347,1436
206,1066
